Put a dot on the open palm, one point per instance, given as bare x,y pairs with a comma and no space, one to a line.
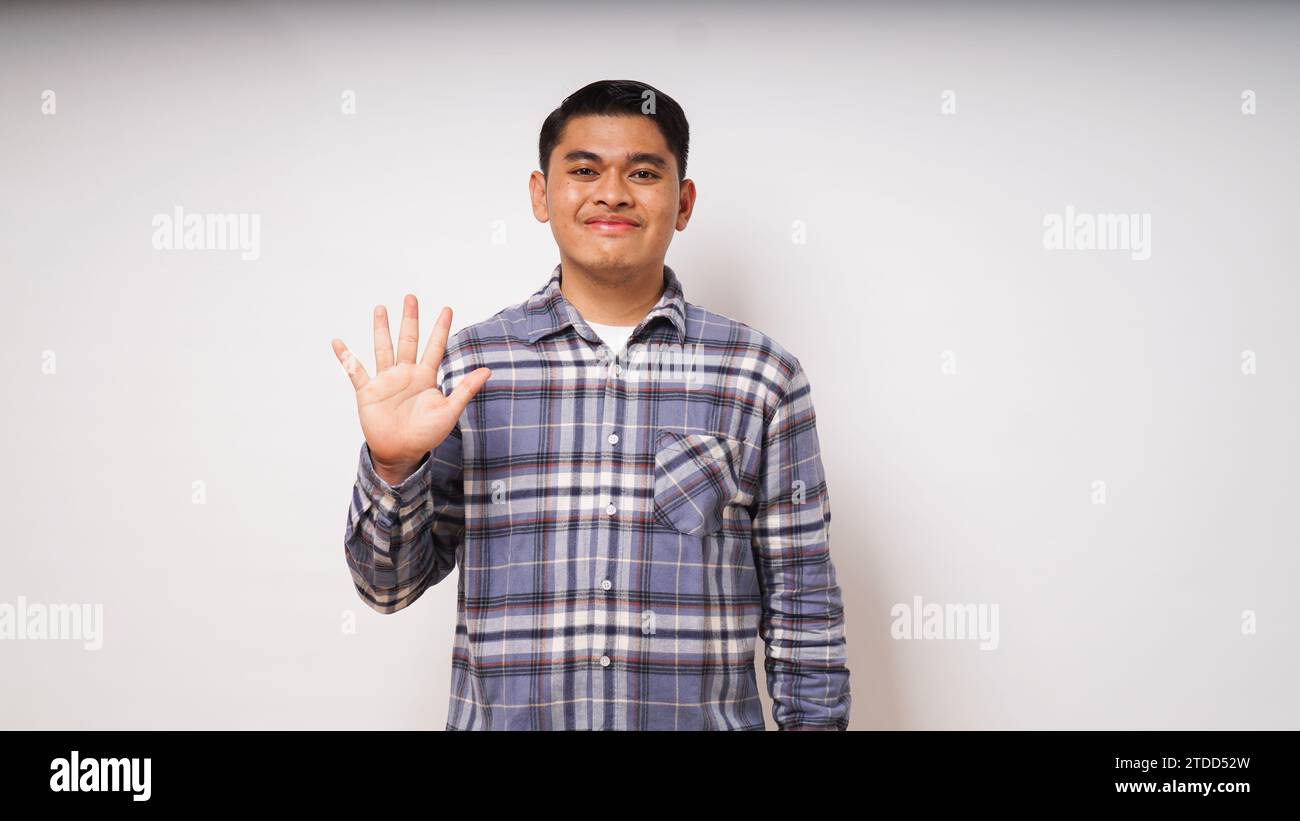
404,413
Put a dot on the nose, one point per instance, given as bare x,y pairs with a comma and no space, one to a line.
612,192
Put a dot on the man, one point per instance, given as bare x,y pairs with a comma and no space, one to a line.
625,519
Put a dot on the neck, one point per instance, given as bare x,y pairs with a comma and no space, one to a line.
612,299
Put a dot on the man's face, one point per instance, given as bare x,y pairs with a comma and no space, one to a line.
612,167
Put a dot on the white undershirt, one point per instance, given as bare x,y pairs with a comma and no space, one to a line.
615,336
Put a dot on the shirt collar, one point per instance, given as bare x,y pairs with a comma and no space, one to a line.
549,311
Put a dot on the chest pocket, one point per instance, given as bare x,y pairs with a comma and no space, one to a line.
696,476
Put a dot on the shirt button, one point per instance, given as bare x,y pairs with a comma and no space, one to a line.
610,509
606,584
613,439
604,661
617,370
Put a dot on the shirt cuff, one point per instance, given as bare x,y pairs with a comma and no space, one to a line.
391,498
805,727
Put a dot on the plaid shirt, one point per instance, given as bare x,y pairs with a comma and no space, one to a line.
624,527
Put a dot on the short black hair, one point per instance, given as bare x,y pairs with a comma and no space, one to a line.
616,98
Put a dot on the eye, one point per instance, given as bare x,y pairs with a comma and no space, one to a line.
647,171
584,168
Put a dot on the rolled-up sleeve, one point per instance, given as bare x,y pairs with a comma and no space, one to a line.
802,624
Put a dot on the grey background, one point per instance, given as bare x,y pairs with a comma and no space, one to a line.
924,235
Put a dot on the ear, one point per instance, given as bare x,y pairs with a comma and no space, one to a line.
685,203
537,194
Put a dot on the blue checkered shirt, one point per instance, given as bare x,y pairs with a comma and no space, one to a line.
624,527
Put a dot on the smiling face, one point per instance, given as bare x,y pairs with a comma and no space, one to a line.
612,196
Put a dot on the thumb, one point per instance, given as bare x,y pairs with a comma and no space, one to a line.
467,388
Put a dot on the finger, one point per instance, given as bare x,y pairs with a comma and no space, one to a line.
437,340
383,340
468,386
408,338
356,371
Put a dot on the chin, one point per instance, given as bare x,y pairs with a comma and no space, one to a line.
613,266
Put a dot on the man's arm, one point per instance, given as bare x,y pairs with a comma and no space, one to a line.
402,539
802,623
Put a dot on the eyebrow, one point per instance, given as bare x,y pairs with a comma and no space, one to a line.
633,158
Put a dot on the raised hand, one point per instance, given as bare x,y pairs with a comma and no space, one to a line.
403,412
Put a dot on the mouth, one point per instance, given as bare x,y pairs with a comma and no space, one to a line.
611,225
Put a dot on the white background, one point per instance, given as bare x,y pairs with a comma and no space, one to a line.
924,235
